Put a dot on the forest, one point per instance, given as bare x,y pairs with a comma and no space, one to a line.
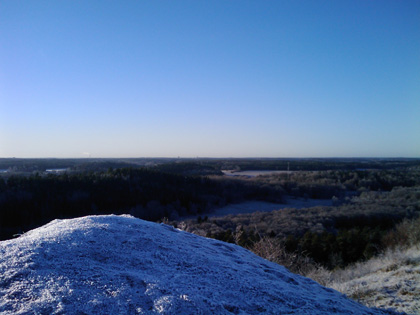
370,197
30,201
367,207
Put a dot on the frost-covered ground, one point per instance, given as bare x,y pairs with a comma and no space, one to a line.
262,206
123,265
391,280
253,173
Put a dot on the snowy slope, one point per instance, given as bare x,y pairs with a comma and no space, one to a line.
390,280
123,265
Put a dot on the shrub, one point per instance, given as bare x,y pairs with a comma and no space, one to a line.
274,250
405,234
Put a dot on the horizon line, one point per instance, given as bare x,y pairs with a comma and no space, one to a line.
214,158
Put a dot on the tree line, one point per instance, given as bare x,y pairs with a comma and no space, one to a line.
30,201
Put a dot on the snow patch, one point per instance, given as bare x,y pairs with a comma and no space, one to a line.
123,265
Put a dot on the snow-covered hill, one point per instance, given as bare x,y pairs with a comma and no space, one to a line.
123,265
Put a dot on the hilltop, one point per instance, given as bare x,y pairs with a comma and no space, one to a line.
123,265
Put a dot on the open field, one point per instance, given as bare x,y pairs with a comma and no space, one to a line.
262,206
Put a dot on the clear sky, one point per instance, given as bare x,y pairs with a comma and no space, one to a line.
209,78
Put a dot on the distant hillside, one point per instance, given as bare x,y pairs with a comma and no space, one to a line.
123,265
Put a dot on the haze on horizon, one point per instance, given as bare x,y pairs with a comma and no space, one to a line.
209,78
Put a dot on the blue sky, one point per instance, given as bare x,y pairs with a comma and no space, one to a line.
210,78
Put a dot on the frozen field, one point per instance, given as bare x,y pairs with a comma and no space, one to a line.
252,173
262,206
